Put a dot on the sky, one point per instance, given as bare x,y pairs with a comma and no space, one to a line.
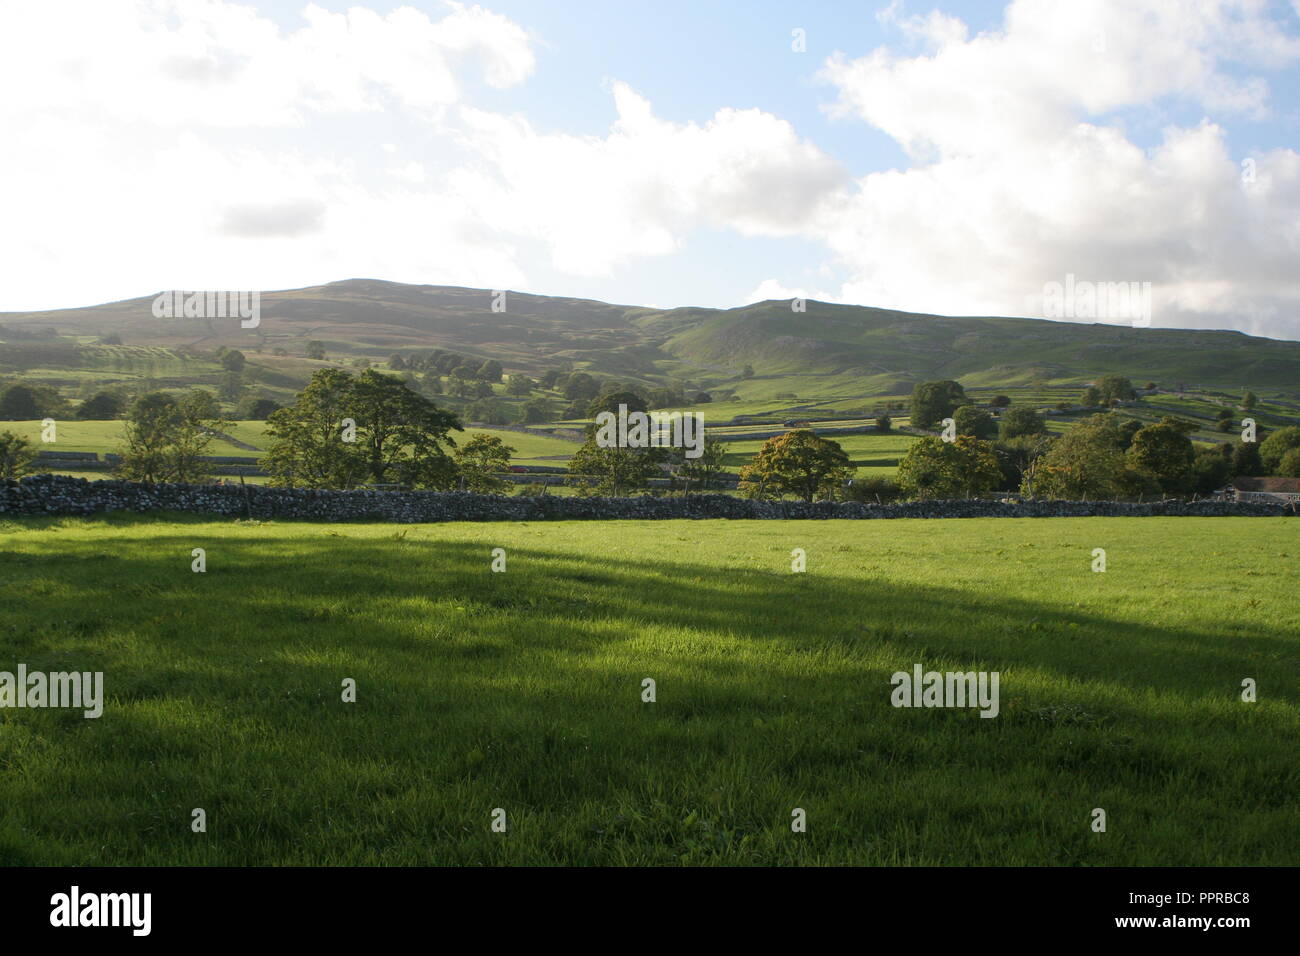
957,158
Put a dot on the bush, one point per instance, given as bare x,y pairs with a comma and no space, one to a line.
934,468
873,491
489,411
1246,461
1210,472
1084,463
975,423
1021,421
1137,485
1275,446
1116,388
535,410
254,408
104,406
19,403
16,455
1289,466
932,402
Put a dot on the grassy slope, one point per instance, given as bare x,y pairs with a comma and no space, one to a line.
838,341
528,447
522,691
875,455
106,437
103,437
831,351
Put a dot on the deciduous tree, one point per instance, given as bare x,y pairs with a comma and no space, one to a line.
799,463
934,468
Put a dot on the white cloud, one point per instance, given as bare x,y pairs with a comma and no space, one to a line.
178,143
1022,174
196,144
597,202
775,289
212,63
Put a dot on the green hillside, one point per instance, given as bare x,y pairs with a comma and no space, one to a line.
828,353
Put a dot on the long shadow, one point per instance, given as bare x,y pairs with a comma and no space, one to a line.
307,610
920,621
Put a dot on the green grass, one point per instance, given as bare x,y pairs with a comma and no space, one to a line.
527,446
107,437
71,435
522,691
874,455
250,433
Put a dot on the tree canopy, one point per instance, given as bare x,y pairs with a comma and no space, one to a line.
799,463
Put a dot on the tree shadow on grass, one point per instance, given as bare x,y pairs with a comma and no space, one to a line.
529,682
301,587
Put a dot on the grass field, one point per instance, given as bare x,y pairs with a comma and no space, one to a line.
522,691
874,455
528,447
107,437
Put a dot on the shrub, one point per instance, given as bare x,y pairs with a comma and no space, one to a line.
16,455
1210,472
1289,466
1276,445
934,468
873,491
971,421
1021,421
104,406
932,402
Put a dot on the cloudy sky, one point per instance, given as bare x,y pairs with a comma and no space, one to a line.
949,159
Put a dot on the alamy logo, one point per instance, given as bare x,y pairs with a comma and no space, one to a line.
953,689
651,430
1113,301
245,306
83,691
103,909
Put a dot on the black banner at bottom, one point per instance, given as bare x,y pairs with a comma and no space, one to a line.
334,905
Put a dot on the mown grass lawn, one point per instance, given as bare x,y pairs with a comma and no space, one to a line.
522,691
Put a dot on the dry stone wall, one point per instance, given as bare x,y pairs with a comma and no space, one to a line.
63,495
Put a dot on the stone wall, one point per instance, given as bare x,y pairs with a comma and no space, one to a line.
62,495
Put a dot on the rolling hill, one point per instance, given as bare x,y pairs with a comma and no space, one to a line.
829,350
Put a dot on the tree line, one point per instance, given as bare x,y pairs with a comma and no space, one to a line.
346,431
